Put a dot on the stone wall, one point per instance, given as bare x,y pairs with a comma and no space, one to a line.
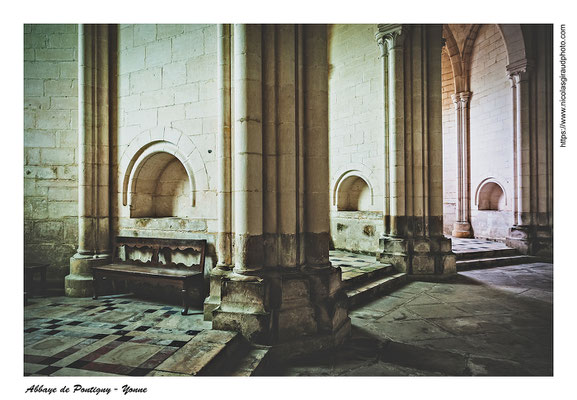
50,140
356,128
491,131
166,103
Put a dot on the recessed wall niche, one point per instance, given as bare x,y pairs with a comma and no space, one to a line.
161,188
491,197
354,194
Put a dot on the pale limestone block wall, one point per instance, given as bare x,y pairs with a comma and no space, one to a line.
449,146
356,130
491,124
167,103
50,140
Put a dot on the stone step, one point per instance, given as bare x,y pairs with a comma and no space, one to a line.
206,354
491,262
470,255
356,281
254,362
372,289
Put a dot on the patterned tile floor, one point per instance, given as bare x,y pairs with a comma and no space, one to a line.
114,336
472,245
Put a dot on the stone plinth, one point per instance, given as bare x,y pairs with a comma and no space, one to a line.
79,282
419,257
301,311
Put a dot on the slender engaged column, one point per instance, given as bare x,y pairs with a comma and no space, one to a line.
248,180
223,143
462,227
93,158
522,147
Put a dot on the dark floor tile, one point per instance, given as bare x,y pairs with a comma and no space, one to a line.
79,364
48,370
142,328
139,371
177,343
98,336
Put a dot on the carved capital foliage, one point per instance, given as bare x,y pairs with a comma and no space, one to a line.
390,36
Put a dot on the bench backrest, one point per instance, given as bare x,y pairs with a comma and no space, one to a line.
158,247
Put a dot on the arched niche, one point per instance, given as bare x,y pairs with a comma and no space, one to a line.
353,194
161,187
490,196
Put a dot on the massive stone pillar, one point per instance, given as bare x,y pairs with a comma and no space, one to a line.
282,290
462,227
531,85
413,240
93,159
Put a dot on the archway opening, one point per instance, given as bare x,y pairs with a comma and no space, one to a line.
161,188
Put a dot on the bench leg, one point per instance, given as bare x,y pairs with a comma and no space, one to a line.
95,287
184,294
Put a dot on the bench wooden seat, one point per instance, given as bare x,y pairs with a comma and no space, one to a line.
155,270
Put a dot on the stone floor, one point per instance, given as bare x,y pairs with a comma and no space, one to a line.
496,321
493,322
353,264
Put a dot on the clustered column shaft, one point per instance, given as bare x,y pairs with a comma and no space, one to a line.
93,158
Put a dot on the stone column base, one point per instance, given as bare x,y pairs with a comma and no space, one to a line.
212,302
535,241
462,230
305,307
79,282
418,257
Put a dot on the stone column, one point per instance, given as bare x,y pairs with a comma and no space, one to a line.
316,148
248,181
93,159
223,143
413,240
521,233
224,181
462,227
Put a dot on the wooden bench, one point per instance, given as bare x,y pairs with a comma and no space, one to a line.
154,270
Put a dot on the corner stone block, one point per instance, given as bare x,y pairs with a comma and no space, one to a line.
243,296
423,265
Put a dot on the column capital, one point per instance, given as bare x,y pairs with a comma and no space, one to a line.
519,71
460,99
390,36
